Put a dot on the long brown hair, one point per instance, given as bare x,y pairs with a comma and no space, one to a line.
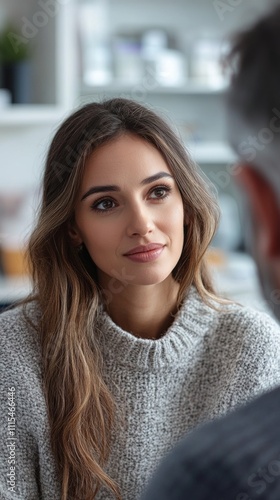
81,408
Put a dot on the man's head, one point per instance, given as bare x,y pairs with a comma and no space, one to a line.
253,105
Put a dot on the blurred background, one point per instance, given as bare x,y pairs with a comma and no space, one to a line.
58,54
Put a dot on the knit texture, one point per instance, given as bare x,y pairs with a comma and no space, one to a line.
236,457
207,363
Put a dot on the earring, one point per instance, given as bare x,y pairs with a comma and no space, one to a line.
80,248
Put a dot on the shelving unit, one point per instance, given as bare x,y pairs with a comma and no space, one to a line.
188,106
49,36
56,57
180,105
32,115
191,88
56,63
211,152
26,129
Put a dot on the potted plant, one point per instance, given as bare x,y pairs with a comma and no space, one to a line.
15,66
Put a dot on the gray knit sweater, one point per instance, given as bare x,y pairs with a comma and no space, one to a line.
207,363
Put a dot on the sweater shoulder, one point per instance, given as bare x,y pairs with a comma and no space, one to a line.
240,318
251,338
227,318
20,318
18,335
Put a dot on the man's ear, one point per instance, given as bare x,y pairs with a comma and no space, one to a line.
74,234
265,208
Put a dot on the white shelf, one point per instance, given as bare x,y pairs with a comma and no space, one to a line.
53,62
211,152
191,87
21,115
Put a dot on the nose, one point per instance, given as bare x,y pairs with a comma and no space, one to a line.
140,221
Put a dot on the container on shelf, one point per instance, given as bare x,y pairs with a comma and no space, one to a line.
14,261
17,80
127,59
15,65
96,56
5,98
205,64
170,68
16,220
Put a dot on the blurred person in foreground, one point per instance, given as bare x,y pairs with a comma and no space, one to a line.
237,457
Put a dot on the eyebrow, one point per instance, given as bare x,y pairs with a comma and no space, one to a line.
112,187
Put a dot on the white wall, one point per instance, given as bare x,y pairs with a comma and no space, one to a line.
22,151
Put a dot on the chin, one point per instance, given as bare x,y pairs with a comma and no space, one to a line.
151,278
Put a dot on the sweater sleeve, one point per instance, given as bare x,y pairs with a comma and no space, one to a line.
23,423
253,356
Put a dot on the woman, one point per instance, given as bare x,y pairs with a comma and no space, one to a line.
123,346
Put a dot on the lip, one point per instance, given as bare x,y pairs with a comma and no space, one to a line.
145,253
144,248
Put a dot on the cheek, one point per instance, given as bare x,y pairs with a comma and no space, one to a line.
176,219
100,238
89,232
97,236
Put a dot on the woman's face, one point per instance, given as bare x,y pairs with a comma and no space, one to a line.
129,213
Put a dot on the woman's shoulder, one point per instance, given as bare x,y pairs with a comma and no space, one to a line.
227,313
250,335
18,326
19,314
235,322
20,353
241,317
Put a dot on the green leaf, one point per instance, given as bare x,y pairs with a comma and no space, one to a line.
13,46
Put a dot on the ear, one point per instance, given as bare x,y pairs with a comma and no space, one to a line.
265,208
74,234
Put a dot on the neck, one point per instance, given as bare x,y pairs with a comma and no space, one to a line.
145,311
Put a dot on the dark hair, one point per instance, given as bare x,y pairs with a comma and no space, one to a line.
81,408
253,99
255,56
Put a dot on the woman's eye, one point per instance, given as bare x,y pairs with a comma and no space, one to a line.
160,192
104,205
